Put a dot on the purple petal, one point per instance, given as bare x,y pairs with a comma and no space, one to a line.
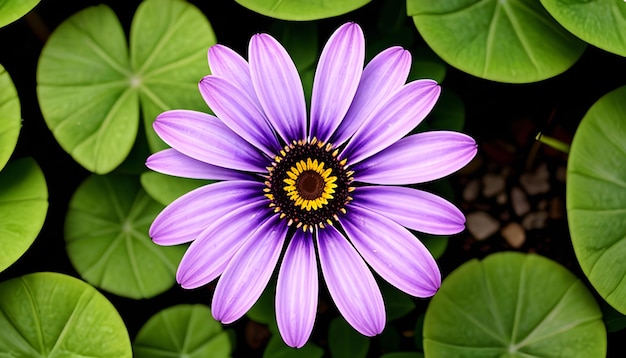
247,274
192,213
412,208
205,138
350,283
393,252
403,111
296,291
207,257
210,253
336,79
278,87
173,162
227,64
383,75
239,112
418,158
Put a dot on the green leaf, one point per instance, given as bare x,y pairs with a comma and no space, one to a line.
169,40
85,91
11,10
600,22
397,303
276,348
23,208
89,89
106,231
344,341
10,118
513,41
513,305
165,188
596,196
53,315
182,331
302,10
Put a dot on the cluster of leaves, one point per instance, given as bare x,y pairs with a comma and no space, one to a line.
99,94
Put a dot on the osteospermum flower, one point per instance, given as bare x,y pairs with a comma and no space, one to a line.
328,187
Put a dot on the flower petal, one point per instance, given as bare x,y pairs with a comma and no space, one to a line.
383,76
296,290
278,87
393,252
418,158
207,257
350,283
239,112
172,162
412,208
403,111
205,138
227,64
192,213
247,274
336,79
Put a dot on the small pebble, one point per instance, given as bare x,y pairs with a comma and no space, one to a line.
536,182
470,192
492,184
519,201
535,220
514,234
481,225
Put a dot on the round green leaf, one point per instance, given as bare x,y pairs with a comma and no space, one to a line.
10,118
182,331
513,41
106,231
85,89
89,89
53,315
165,188
596,196
344,341
513,305
23,208
11,10
169,40
302,10
600,23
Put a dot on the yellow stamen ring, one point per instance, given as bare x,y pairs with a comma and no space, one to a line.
308,185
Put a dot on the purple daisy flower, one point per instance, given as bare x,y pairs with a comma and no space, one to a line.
328,187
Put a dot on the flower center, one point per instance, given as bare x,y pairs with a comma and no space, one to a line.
308,185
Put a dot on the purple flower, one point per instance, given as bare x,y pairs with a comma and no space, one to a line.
328,186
